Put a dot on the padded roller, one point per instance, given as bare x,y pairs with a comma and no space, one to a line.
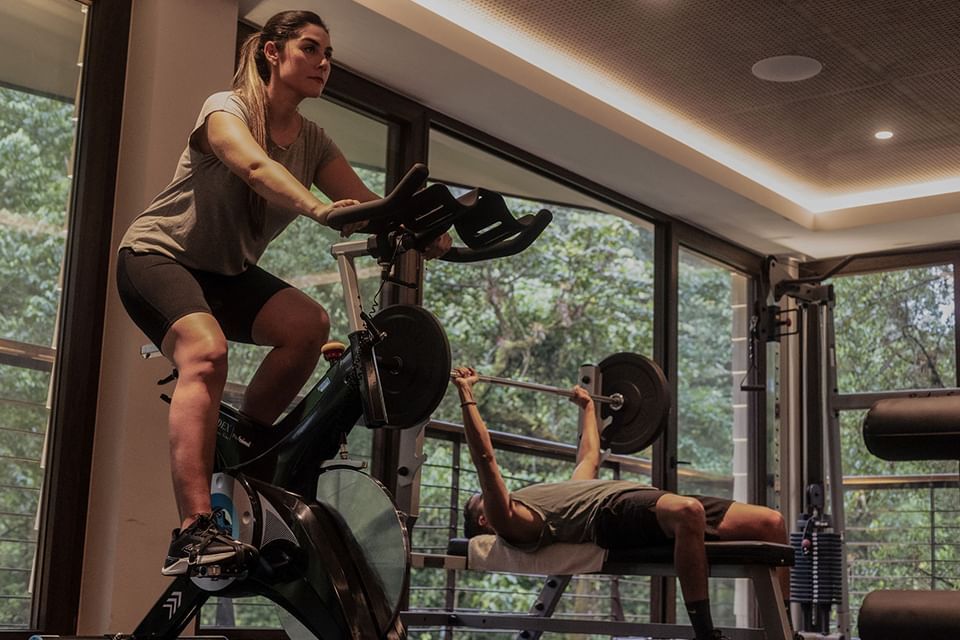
895,615
914,428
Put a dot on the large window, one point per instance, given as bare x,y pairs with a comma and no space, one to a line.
711,408
896,330
38,86
582,291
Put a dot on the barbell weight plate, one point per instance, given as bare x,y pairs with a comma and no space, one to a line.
414,364
646,402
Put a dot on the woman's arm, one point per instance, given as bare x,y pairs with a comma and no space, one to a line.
227,136
339,181
588,451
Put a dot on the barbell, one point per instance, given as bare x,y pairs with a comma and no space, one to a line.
414,370
634,399
615,401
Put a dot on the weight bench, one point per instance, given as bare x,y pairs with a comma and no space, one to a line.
757,561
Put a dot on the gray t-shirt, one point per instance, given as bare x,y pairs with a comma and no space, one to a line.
201,219
569,509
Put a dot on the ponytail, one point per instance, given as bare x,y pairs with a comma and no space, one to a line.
250,85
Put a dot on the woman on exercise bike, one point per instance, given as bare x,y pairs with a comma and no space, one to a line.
187,268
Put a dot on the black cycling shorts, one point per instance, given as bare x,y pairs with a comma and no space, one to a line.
157,291
630,519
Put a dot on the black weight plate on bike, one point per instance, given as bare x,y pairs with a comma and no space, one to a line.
414,364
646,402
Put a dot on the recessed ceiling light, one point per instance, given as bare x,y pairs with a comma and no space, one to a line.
786,68
883,135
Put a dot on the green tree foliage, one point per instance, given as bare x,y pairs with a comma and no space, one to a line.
895,330
36,134
583,291
705,363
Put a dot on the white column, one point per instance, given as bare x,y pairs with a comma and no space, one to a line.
740,326
180,51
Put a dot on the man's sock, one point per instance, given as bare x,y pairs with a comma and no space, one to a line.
700,618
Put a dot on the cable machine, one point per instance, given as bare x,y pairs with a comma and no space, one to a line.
818,581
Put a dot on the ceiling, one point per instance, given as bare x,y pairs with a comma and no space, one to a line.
43,44
655,99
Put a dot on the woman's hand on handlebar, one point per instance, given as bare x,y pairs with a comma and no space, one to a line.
351,228
323,211
438,247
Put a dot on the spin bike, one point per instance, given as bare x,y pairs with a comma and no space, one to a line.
333,549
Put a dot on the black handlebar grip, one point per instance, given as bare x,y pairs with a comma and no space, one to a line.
385,206
534,226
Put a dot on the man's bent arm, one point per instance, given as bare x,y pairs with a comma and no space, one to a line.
509,522
588,450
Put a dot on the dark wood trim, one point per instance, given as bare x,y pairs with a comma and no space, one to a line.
956,320
27,356
77,374
665,350
885,261
700,241
351,89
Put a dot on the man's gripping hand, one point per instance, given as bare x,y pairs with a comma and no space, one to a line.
465,377
581,398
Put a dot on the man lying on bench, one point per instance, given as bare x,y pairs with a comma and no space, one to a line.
614,514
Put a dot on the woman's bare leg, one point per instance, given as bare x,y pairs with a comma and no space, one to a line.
198,348
297,328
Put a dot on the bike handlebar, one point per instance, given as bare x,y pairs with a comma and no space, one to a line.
481,218
533,226
385,207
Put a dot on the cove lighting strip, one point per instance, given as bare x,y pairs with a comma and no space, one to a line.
597,83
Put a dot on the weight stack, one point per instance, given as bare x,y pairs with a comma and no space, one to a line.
816,578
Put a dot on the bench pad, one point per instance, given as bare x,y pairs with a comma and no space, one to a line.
718,553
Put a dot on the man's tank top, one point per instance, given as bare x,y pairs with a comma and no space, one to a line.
569,509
